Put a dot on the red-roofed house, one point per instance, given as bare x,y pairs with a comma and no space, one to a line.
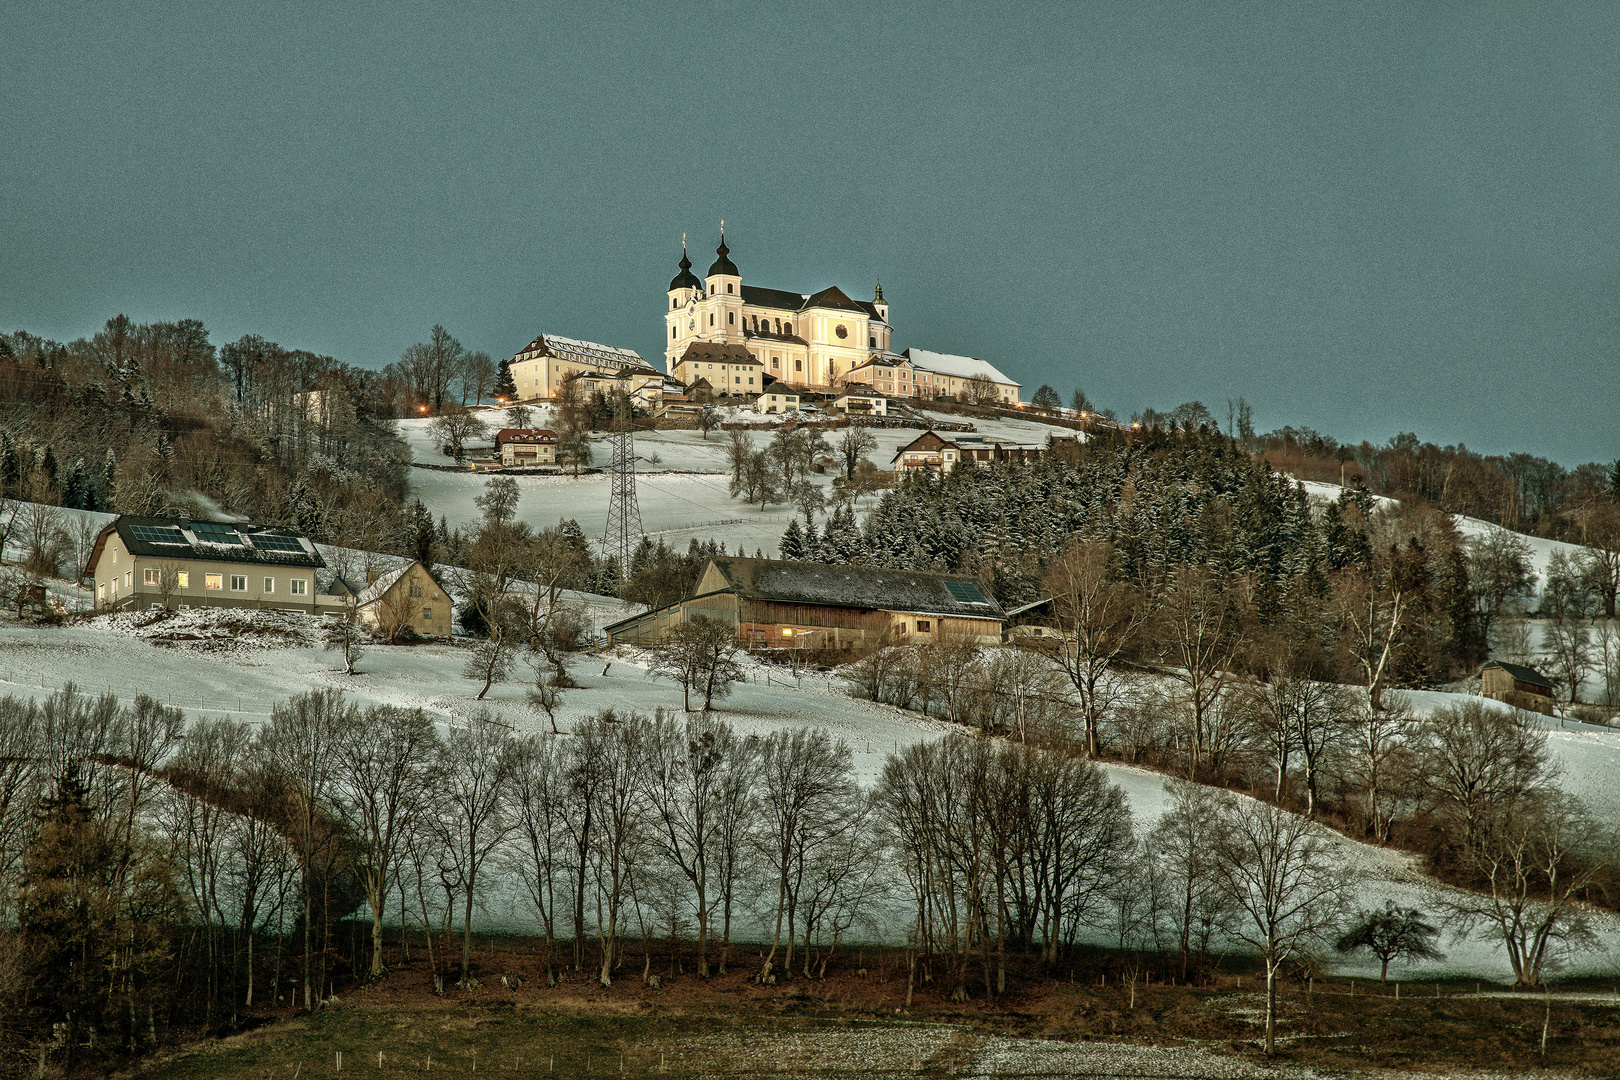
526,446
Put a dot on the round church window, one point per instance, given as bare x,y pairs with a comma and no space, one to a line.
842,331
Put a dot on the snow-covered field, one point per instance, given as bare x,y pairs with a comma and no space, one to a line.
246,676
681,495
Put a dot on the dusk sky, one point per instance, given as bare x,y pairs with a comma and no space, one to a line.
1365,218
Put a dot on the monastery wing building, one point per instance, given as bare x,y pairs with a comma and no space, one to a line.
818,341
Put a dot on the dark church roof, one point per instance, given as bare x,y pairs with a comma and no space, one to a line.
724,265
685,279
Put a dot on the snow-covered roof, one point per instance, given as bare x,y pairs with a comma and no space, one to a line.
378,588
960,367
585,352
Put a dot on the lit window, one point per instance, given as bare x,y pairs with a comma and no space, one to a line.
269,585
300,586
787,631
213,581
238,583
153,577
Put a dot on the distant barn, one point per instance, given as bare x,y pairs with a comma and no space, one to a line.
1517,685
776,603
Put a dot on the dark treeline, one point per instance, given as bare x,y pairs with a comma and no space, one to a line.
152,418
1518,491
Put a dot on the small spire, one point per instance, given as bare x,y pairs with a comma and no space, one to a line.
878,299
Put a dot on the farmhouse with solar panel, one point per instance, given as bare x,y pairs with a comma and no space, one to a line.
141,562
781,604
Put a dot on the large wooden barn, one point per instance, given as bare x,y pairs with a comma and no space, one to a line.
779,604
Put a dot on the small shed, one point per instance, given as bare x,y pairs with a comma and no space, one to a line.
1517,685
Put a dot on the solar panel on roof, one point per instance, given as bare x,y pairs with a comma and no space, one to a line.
966,592
277,543
158,534
214,533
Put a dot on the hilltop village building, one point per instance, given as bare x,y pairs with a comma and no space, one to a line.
141,562
775,603
539,367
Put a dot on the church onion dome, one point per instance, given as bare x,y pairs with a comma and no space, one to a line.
684,279
724,265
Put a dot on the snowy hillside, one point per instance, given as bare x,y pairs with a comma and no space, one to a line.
275,656
1541,549
682,495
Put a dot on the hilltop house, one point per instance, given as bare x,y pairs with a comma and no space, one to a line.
526,446
778,604
932,452
728,370
141,562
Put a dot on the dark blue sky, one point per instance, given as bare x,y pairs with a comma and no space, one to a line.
1363,218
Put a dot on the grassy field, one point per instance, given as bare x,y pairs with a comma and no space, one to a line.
850,1025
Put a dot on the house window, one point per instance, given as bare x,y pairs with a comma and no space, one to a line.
427,613
152,577
923,626
101,590
182,579
238,583
269,585
213,581
114,555
300,586
416,590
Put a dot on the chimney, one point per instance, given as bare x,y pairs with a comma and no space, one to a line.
372,576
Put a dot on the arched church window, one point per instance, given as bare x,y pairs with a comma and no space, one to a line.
798,365
789,330
711,318
871,343
674,331
728,287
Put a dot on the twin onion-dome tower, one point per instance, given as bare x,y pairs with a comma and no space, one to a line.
808,340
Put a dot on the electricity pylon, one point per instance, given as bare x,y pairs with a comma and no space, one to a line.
623,532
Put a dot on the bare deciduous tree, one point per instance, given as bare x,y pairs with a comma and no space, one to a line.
476,763
1101,618
1275,869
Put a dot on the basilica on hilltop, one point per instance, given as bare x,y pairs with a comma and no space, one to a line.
811,340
